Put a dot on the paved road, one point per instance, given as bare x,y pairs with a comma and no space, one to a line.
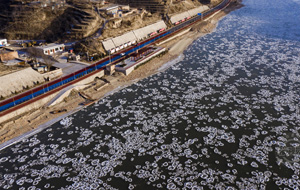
68,68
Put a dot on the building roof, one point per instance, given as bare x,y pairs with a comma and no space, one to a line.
127,37
108,44
180,16
143,32
18,80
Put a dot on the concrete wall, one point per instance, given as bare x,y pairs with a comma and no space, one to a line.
128,71
53,74
77,86
91,78
62,95
27,108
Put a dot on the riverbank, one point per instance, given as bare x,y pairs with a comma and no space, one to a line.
39,119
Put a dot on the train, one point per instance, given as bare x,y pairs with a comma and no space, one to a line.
18,101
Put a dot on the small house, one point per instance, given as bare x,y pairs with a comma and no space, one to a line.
74,57
115,10
3,42
51,49
112,9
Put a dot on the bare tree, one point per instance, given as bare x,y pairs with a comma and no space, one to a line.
48,61
35,53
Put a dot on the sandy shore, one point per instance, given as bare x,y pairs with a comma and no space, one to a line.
37,120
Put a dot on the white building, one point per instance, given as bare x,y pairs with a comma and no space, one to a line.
3,42
51,48
115,10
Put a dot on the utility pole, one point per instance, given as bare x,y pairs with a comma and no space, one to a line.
109,58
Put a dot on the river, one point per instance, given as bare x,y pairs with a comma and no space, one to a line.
226,116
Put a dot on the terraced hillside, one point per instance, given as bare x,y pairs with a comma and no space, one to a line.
82,21
4,15
29,20
24,20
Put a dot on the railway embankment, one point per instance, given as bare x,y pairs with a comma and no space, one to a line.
36,117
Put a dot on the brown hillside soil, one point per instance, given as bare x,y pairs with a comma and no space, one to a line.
30,24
